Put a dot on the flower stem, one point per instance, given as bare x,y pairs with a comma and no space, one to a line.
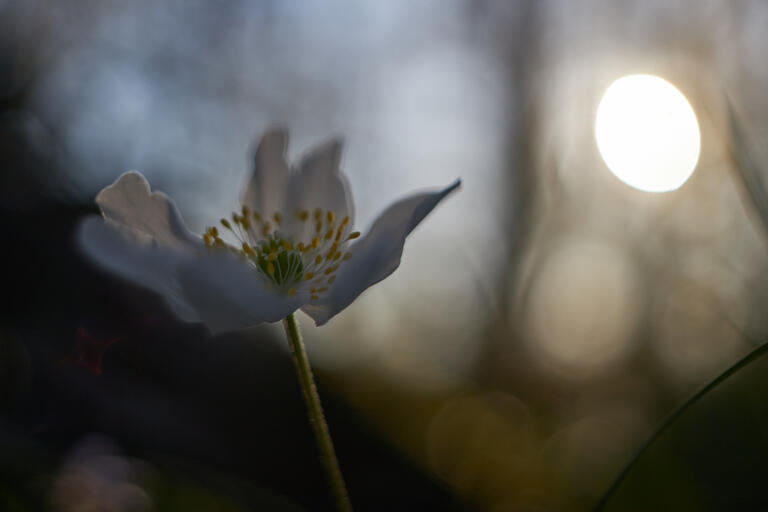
316,416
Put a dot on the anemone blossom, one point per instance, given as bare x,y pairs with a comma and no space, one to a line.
290,246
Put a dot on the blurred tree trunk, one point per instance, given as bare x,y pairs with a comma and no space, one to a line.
518,42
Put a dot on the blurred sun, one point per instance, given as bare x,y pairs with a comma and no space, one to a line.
647,133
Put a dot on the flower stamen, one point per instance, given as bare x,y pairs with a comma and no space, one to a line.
286,263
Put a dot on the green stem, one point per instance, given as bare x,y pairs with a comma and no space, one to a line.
316,416
756,353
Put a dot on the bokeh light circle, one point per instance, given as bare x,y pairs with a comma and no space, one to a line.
647,133
583,306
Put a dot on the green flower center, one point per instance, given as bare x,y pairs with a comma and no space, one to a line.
289,266
279,261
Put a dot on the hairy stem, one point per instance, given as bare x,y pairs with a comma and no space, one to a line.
316,416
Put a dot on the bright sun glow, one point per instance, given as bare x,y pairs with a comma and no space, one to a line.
647,133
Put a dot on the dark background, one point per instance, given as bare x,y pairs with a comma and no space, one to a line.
542,323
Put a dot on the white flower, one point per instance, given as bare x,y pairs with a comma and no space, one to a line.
295,245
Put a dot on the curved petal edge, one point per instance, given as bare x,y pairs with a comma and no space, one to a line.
378,253
130,202
265,189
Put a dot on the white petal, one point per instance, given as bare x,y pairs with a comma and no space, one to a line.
130,202
136,256
376,255
319,183
229,295
265,191
200,286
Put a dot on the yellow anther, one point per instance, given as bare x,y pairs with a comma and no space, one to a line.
302,215
248,250
214,231
319,226
328,234
287,246
270,268
272,256
312,290
331,279
318,214
291,292
344,221
318,259
278,218
207,239
245,223
266,229
309,275
246,211
300,247
330,270
354,235
339,232
329,216
347,256
314,297
225,223
315,242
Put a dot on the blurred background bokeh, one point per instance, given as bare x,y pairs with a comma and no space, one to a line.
543,319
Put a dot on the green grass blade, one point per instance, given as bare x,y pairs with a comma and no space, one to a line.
684,460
